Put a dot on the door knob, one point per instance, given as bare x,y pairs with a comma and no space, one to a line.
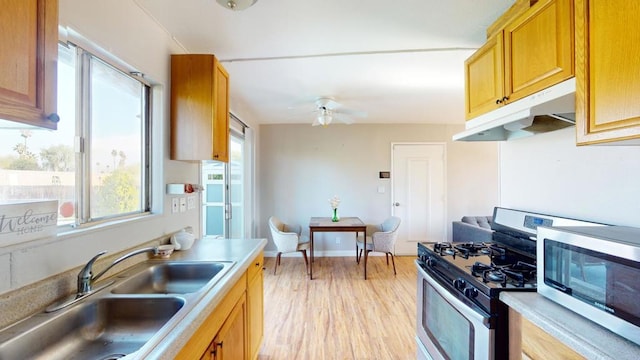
396,204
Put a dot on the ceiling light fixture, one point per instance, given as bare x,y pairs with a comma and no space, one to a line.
324,118
236,5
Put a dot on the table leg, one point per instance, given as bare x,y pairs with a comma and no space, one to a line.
311,253
366,254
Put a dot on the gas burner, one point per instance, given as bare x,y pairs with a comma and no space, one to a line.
464,250
517,275
443,248
478,268
468,249
497,276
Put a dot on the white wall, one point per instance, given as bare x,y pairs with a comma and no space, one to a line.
123,29
301,167
548,173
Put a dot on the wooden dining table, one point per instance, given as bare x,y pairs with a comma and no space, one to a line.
345,224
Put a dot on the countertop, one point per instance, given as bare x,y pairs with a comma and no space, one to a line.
580,334
172,339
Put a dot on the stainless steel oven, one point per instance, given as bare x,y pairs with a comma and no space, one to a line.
450,327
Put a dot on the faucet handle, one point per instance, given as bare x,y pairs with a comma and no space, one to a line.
85,275
89,265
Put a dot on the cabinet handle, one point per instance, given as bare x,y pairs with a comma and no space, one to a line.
257,264
214,351
54,117
504,99
498,101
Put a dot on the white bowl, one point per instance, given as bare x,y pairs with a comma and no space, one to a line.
165,250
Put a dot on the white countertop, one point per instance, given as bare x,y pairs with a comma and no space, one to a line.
580,334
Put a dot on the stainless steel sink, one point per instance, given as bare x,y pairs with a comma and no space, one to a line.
116,321
105,328
173,278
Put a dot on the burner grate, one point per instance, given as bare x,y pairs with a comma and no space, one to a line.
518,274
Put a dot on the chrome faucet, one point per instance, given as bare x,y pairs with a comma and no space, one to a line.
86,277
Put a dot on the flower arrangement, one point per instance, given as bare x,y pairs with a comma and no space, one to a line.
334,202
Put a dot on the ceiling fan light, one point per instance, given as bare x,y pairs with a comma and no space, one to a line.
324,119
236,5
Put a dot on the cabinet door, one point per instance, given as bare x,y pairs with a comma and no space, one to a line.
527,341
221,123
607,71
28,65
199,108
484,82
230,342
209,354
255,306
539,48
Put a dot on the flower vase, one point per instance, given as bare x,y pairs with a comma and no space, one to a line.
335,217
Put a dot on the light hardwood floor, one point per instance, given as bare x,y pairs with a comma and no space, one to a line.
338,314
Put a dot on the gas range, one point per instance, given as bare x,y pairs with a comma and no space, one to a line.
459,285
479,271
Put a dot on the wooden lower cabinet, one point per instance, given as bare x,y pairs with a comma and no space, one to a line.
527,341
255,305
230,342
234,330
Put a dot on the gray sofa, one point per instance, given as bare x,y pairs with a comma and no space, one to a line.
472,229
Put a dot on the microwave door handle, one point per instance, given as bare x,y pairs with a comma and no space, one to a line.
558,286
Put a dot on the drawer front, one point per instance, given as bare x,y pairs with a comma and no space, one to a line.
256,266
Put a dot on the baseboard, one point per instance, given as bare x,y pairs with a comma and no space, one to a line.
327,253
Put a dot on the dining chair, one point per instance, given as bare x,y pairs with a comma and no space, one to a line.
288,239
383,239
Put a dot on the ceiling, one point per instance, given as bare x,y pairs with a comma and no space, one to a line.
397,61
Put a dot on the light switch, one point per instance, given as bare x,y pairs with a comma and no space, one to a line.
174,205
191,202
183,204
380,189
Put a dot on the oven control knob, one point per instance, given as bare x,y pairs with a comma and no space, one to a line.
471,292
430,262
459,283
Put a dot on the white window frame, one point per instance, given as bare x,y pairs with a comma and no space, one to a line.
82,146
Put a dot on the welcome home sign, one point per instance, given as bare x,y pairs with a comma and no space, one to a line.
27,221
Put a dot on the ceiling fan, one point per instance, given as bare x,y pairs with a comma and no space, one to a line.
328,110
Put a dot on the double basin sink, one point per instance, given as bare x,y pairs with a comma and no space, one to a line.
117,320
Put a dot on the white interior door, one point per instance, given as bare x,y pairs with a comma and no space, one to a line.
418,185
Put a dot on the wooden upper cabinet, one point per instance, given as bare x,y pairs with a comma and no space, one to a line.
199,108
28,64
533,51
484,78
539,48
607,71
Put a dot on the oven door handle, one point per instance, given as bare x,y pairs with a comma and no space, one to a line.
470,313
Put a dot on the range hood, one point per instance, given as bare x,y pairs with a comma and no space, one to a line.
547,110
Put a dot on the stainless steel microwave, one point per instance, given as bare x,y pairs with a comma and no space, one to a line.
595,272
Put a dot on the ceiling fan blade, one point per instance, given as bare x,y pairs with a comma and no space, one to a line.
351,112
326,102
343,119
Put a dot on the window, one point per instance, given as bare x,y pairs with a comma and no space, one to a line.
97,163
